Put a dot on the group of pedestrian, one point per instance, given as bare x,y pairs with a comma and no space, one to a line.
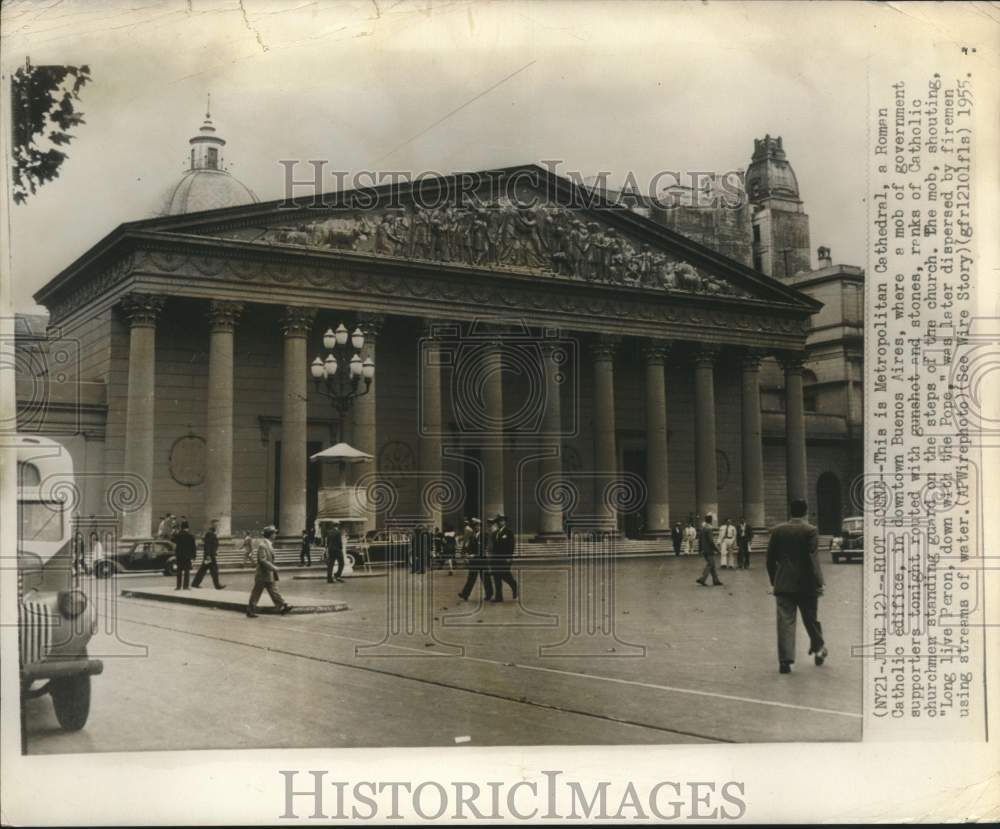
793,570
489,557
186,551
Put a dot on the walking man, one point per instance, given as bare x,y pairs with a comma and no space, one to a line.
744,535
706,538
727,544
266,575
795,574
334,553
477,563
677,536
305,553
185,552
503,552
209,562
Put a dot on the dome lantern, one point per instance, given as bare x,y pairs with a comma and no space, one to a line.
207,184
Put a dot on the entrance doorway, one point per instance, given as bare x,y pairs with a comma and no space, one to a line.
471,476
828,509
633,524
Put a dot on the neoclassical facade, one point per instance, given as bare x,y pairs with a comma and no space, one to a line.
534,346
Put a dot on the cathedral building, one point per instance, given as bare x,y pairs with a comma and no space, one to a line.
536,349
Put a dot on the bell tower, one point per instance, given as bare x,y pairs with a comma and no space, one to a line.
781,245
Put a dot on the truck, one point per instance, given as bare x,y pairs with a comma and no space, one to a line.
56,620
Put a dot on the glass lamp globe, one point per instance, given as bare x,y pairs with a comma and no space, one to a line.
316,369
329,339
358,339
341,334
368,369
330,365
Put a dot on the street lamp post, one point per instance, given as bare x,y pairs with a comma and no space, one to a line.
339,377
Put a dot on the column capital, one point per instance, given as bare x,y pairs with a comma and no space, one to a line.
705,355
656,351
223,315
142,309
371,324
297,321
603,346
791,361
750,358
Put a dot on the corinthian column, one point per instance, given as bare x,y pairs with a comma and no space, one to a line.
365,433
553,364
429,420
657,475
142,311
706,474
751,442
795,427
219,416
492,454
295,324
602,353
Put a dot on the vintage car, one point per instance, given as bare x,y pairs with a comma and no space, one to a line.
850,543
55,618
156,554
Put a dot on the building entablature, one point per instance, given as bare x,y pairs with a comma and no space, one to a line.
551,261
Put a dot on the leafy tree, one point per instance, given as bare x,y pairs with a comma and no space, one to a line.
42,99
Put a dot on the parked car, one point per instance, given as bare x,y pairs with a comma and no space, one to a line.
149,555
850,543
55,619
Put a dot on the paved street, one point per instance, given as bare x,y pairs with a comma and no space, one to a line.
683,664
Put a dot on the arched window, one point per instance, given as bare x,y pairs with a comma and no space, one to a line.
28,474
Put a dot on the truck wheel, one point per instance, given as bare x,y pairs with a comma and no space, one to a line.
71,699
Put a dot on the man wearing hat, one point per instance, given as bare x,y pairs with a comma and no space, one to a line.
334,553
477,563
210,562
503,552
266,575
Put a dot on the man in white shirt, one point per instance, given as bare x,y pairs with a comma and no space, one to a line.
727,544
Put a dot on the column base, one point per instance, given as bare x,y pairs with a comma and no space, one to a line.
657,534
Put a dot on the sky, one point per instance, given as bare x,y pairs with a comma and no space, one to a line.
445,86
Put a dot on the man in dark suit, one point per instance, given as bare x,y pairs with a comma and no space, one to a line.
709,550
209,563
744,535
503,552
185,551
334,553
677,535
477,563
266,576
305,551
795,574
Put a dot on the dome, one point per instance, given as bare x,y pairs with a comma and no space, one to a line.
206,190
207,185
769,173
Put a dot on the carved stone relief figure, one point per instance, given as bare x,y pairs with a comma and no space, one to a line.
504,233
